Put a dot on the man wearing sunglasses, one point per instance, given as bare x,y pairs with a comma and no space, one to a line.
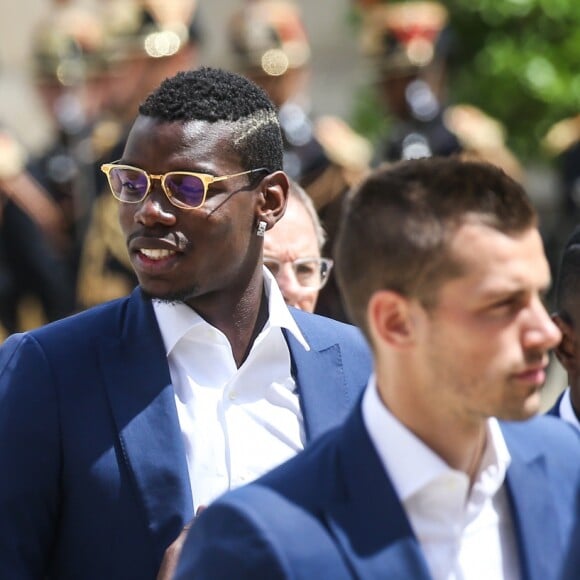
126,419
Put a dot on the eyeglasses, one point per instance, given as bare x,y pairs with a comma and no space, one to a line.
183,189
311,273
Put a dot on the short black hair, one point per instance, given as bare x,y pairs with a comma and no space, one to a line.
396,227
568,280
216,95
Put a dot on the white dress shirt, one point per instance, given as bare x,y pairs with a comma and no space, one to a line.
237,423
566,411
464,534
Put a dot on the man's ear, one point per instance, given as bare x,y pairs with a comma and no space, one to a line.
390,319
274,192
566,351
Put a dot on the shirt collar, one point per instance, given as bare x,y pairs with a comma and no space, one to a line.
393,441
495,461
177,319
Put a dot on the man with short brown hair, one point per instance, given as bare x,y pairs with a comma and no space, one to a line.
440,472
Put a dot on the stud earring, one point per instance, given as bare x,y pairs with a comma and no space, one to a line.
261,229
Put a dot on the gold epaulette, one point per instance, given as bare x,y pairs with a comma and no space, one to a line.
104,240
562,136
349,154
482,137
12,156
107,132
342,145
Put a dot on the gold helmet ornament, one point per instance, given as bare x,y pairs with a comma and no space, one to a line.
403,37
151,28
562,135
68,45
269,35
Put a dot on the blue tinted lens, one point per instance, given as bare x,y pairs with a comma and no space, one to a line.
188,189
128,184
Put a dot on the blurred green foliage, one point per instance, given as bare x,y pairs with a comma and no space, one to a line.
518,60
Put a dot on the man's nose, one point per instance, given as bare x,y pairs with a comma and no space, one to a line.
289,285
542,331
155,208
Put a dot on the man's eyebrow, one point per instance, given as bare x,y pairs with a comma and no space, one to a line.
493,294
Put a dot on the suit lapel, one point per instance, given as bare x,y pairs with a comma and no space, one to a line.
375,535
533,509
142,403
329,377
370,524
321,385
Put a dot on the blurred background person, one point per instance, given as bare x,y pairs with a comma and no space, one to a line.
147,41
292,251
20,193
68,73
323,153
567,318
71,78
271,47
562,144
410,45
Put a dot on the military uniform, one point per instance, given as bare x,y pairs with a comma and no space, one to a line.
562,144
32,242
69,69
270,43
410,44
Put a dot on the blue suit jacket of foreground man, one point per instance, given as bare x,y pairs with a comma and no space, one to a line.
94,477
323,514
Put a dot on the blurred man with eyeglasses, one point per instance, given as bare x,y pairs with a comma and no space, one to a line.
128,418
292,251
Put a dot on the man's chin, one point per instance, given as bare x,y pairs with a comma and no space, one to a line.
530,407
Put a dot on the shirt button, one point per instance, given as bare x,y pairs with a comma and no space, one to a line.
232,396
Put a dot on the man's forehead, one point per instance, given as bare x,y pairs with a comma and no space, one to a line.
145,122
476,232
506,258
199,138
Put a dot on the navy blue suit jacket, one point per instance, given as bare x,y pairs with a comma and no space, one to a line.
332,512
93,475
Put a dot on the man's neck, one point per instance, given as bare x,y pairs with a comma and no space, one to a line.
240,322
459,443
